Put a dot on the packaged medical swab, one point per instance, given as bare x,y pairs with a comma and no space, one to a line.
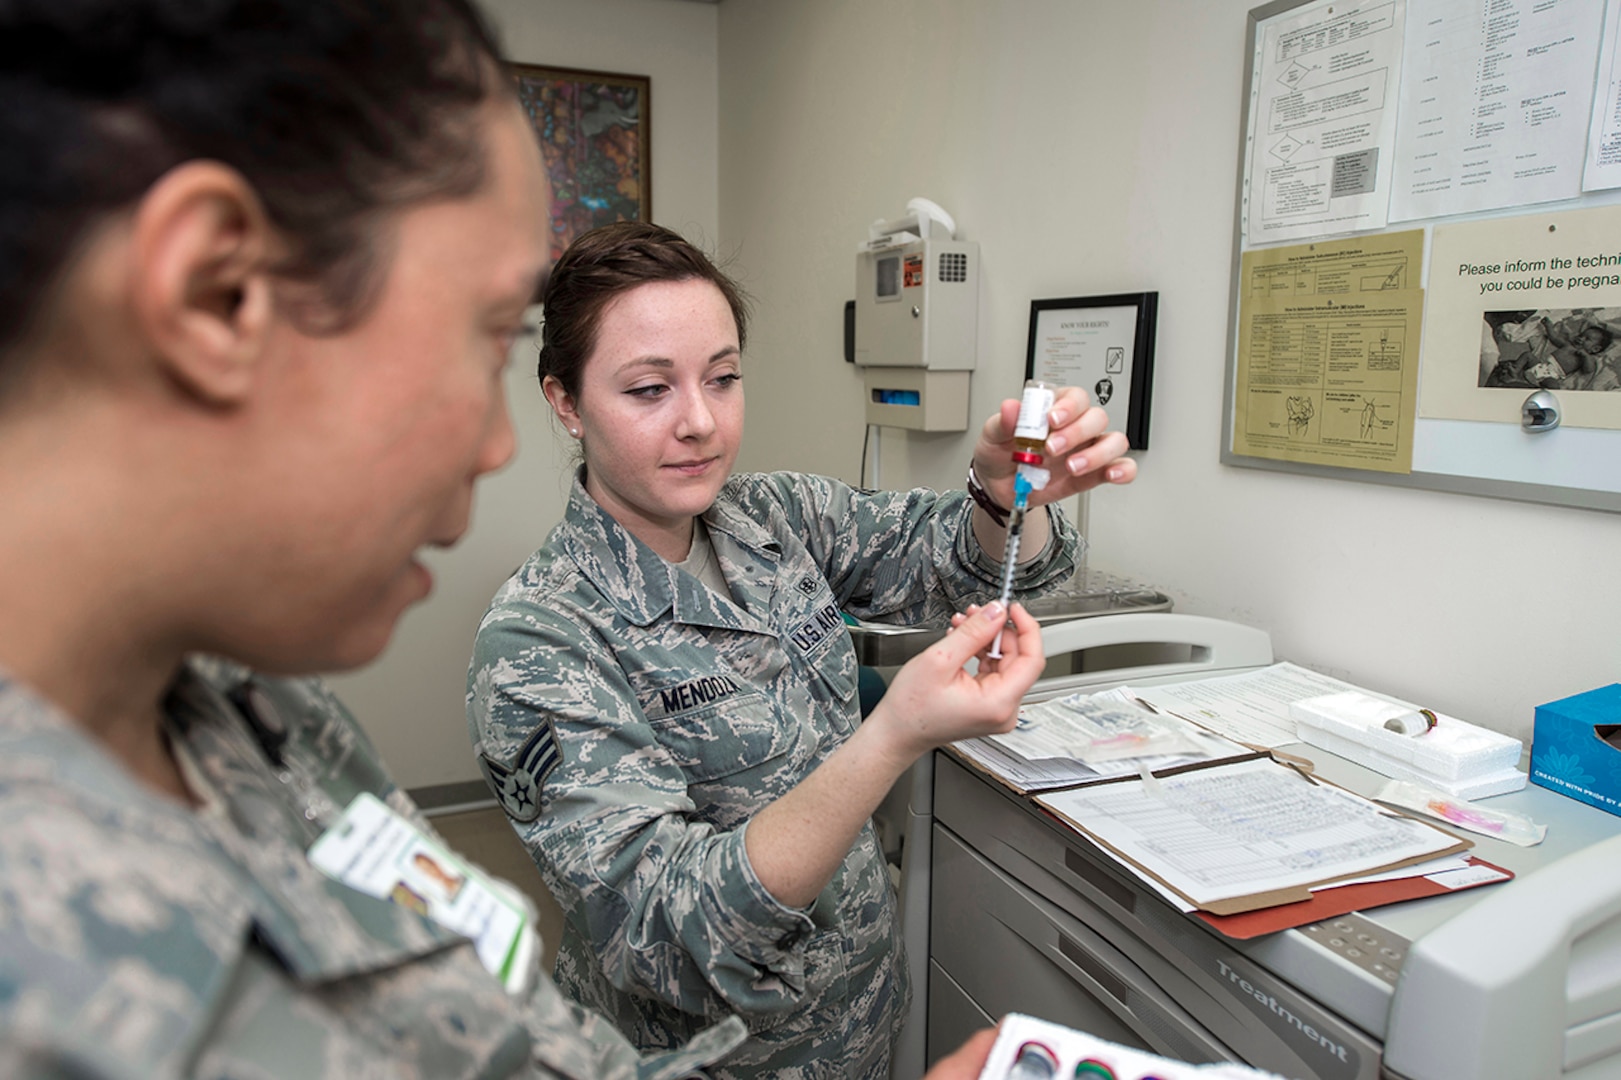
1499,824
1095,728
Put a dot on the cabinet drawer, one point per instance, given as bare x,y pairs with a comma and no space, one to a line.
1011,951
953,1015
1006,871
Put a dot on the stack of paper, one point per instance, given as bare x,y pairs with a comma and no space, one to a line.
1252,707
1076,740
1247,841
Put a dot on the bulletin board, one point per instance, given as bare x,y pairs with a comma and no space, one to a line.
1427,232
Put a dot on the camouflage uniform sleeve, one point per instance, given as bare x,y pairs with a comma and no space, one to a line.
30,1059
670,903
610,1053
903,556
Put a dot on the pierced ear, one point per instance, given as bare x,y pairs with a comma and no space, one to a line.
562,402
202,295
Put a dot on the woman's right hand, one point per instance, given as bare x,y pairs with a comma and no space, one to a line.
933,701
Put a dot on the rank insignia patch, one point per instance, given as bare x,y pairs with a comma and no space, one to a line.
518,786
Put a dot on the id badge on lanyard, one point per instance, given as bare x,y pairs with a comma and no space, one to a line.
376,851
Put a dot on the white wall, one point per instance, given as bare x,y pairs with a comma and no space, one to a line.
410,700
1091,147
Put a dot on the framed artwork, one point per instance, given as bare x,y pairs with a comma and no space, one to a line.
594,132
1104,344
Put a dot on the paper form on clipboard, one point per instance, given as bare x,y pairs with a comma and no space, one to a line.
1245,835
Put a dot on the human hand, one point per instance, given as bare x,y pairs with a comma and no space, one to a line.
1081,452
967,1061
933,701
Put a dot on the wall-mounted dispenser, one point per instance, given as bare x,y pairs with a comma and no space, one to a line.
917,320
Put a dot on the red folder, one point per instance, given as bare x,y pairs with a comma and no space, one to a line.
1339,900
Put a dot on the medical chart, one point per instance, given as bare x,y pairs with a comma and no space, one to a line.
1241,836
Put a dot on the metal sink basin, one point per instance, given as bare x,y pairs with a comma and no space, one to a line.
1089,592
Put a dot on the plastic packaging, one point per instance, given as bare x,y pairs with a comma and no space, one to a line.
1093,728
1462,759
1499,824
1149,736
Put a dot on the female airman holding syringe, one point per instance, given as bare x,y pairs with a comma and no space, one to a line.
664,696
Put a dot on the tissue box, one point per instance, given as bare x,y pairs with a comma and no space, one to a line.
1569,751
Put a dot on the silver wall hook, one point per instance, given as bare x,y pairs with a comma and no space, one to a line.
1540,412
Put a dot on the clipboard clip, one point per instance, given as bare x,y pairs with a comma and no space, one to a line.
1304,766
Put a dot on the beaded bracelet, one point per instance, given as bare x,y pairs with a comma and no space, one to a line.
983,498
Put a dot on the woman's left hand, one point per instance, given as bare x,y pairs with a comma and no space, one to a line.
1081,452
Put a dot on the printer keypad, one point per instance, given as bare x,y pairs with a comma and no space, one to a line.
1367,945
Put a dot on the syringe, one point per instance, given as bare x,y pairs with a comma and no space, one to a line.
1029,440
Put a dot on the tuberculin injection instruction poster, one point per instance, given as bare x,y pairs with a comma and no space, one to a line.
1328,351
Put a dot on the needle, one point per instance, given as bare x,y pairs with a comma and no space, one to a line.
1010,565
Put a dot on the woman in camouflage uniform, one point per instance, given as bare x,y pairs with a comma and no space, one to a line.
260,268
664,696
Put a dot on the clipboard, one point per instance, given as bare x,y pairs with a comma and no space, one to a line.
1248,902
1342,900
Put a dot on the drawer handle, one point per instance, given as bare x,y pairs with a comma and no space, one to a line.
1103,883
1111,983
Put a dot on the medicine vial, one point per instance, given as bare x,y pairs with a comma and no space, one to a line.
1034,1062
1030,432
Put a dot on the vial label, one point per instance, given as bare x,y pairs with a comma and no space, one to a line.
1033,410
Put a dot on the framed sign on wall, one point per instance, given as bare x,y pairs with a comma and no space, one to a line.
1104,344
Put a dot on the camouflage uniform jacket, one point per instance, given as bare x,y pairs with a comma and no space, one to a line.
141,938
632,722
